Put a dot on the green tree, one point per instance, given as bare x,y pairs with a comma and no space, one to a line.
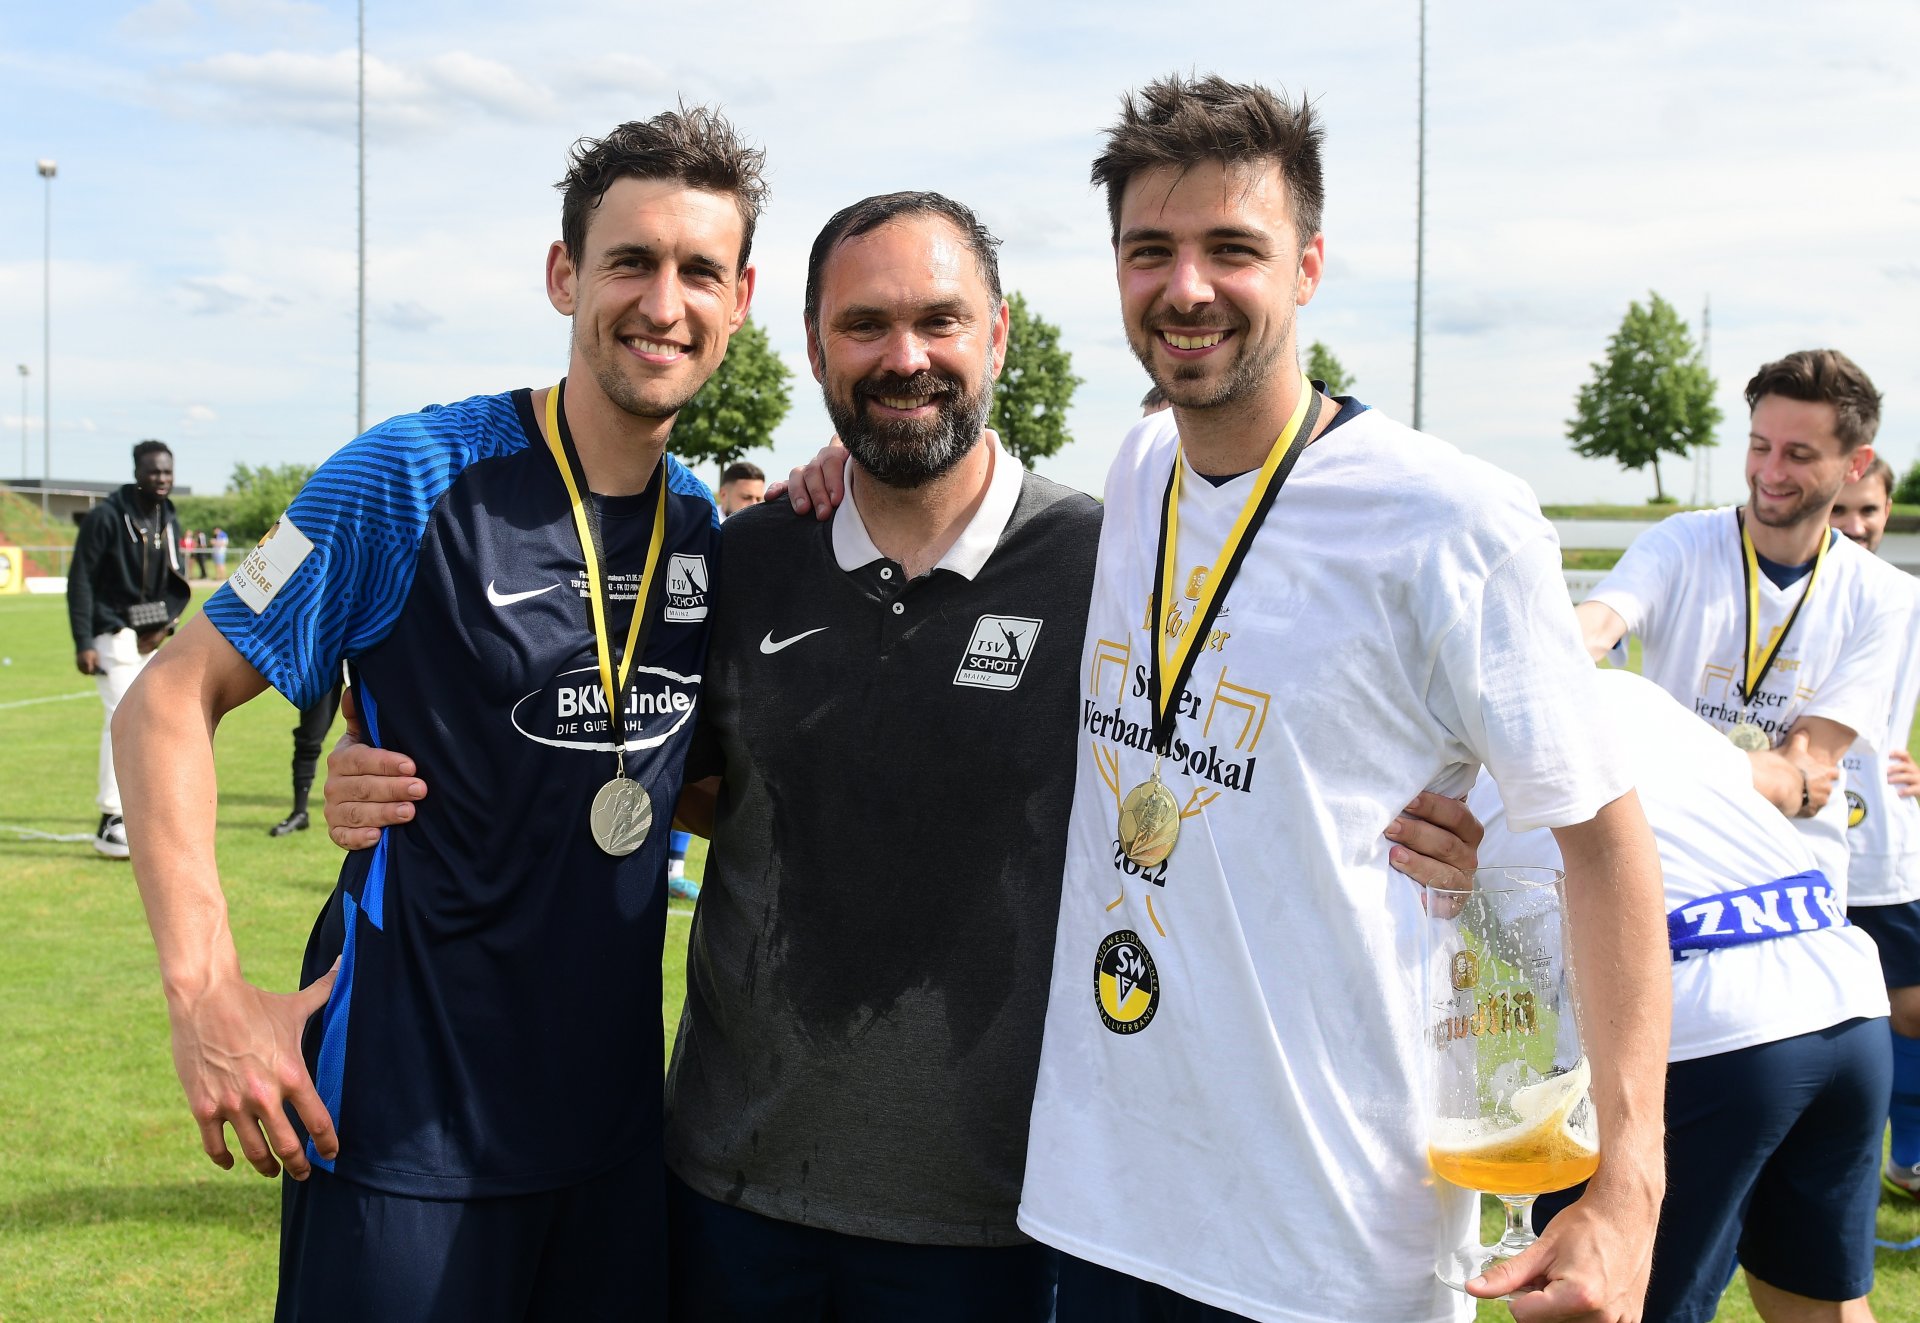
261,495
738,408
1323,366
1908,490
1036,385
1650,396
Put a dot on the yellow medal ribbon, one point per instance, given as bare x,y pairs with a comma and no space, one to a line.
1755,667
1175,658
596,583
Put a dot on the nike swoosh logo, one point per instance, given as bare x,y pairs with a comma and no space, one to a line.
768,646
499,598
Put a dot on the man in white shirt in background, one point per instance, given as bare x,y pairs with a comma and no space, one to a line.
1779,1063
1761,620
1883,884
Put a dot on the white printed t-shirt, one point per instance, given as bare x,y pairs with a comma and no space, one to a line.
1679,587
1883,827
1716,834
1249,1128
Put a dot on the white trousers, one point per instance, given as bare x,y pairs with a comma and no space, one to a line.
120,663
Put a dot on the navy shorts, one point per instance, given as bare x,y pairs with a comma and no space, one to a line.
1895,929
735,1266
591,1251
1090,1293
1773,1162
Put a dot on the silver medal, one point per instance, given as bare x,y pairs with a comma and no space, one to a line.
622,816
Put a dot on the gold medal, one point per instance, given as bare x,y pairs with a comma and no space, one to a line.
622,816
1149,821
1746,733
1150,815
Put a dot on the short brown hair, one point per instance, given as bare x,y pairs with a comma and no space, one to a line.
1176,121
1824,376
694,144
1882,470
740,470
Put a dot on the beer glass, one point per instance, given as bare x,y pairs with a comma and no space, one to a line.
1510,1113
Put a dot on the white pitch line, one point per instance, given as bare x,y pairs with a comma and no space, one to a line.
57,698
30,834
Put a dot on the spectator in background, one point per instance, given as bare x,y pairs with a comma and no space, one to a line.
741,484
220,552
1883,838
125,590
1154,401
308,737
201,554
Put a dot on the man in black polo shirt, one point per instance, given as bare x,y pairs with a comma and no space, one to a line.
890,709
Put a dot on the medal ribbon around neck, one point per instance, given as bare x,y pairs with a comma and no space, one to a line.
560,443
1176,660
1755,672
1149,823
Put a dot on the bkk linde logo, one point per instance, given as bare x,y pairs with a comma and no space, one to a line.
570,712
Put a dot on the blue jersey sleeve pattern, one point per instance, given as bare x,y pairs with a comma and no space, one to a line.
365,511
682,482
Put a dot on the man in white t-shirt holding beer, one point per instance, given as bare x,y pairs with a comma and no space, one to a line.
1883,885
1759,618
1230,1114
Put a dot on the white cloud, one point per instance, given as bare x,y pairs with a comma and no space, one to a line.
269,13
410,316
320,92
158,21
620,74
213,296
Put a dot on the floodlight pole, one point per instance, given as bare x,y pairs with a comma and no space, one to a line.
1420,229
360,315
48,170
25,372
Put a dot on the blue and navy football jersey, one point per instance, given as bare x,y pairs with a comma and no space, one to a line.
496,1025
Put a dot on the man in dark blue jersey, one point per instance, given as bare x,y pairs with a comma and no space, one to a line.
478,1100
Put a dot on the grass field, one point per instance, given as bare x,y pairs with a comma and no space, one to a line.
107,1208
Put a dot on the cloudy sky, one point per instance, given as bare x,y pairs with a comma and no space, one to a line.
1765,155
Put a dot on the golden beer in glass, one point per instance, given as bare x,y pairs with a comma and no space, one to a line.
1511,1114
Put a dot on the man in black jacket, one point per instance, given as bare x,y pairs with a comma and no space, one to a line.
125,590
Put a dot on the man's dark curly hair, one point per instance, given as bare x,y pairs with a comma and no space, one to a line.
1176,121
694,144
1824,376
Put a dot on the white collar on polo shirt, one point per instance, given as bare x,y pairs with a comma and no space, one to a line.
853,548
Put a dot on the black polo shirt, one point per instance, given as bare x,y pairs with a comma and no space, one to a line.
868,972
